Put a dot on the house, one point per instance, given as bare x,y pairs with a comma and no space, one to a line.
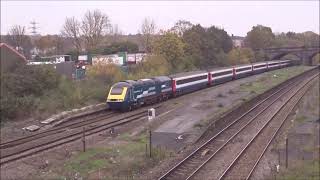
10,57
237,41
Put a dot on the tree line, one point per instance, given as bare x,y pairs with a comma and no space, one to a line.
94,33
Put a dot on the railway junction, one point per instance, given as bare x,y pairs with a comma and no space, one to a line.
222,132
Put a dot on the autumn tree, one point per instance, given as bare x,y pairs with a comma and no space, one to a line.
260,37
71,29
148,29
292,39
180,27
240,56
154,65
95,25
171,47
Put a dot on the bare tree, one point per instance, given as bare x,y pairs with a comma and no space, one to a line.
71,29
16,36
148,29
95,24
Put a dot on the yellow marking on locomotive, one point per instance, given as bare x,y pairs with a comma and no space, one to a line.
117,97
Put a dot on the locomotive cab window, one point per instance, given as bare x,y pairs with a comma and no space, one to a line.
116,91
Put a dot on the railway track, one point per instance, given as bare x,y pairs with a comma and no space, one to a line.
230,139
247,160
24,147
70,124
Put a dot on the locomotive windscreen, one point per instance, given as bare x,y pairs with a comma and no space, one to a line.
116,91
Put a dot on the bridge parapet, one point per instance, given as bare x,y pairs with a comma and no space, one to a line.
304,53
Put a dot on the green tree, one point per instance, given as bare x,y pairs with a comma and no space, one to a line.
171,47
220,38
240,56
154,65
260,37
207,45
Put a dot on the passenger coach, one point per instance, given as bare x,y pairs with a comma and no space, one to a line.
130,94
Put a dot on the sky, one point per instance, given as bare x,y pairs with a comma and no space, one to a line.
236,17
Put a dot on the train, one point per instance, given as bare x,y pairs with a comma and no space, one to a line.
131,94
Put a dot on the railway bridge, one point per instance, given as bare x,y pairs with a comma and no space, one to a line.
304,53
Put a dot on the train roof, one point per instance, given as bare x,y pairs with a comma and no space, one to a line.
187,74
123,84
219,69
161,78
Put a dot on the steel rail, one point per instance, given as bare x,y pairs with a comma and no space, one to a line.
240,130
244,114
263,127
49,132
272,138
89,131
75,136
56,128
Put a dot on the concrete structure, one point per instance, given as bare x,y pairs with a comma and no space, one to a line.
304,53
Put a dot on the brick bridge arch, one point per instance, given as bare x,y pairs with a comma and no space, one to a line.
304,53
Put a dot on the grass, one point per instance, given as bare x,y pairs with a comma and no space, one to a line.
91,160
301,118
302,170
271,79
125,160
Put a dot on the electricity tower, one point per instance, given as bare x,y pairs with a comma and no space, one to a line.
34,27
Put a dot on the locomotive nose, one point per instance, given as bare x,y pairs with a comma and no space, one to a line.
117,94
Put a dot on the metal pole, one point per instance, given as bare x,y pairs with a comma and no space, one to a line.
150,143
286,152
84,139
146,149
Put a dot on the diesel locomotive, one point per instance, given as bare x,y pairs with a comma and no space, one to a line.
130,94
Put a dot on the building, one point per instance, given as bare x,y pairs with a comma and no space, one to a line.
237,41
10,57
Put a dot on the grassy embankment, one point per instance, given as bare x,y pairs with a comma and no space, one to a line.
125,159
308,112
263,83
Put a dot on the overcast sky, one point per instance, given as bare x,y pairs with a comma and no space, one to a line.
236,17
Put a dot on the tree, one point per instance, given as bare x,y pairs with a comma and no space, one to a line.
181,26
207,45
171,47
148,29
125,46
95,24
260,37
71,29
154,65
17,38
50,44
221,38
240,56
